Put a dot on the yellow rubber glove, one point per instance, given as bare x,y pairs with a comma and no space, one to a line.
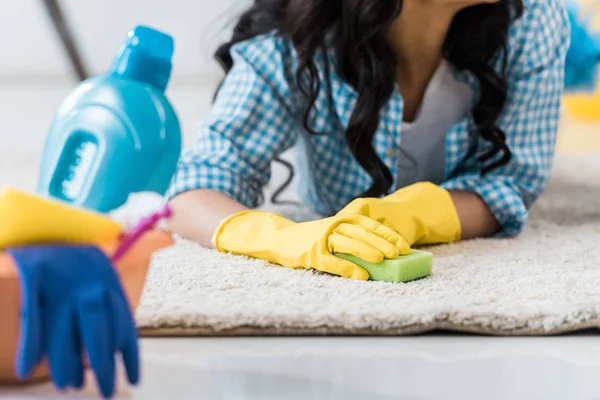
310,245
422,213
27,219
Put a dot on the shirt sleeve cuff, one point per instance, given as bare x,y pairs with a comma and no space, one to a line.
501,196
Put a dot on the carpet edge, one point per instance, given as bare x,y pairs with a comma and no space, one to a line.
206,331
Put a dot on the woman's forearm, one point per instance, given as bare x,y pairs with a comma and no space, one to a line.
197,214
476,219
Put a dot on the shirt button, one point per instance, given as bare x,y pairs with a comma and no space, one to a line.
390,153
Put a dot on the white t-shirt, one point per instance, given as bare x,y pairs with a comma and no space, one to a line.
423,141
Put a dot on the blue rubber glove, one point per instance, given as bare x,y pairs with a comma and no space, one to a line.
73,305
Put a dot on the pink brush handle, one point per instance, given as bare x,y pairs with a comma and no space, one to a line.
142,227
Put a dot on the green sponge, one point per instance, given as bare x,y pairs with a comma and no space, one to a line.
418,264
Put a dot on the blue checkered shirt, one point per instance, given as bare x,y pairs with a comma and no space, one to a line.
259,110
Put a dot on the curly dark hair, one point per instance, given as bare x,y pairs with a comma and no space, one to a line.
477,36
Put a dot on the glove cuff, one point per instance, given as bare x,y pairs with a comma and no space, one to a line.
221,228
442,216
247,228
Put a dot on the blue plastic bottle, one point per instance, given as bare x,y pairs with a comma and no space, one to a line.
117,133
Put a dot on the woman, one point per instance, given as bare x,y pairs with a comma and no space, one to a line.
422,121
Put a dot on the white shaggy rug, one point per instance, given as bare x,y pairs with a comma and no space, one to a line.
545,282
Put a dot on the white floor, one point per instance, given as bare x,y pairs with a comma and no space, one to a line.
429,367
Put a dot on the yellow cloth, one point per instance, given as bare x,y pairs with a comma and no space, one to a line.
27,219
310,245
422,213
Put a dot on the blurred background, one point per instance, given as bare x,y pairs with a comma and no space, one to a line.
31,49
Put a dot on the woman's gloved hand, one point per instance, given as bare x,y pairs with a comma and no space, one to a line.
73,307
310,245
422,213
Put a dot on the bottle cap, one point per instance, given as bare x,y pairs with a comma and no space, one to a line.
146,56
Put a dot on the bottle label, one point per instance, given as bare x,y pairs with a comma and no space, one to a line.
74,167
